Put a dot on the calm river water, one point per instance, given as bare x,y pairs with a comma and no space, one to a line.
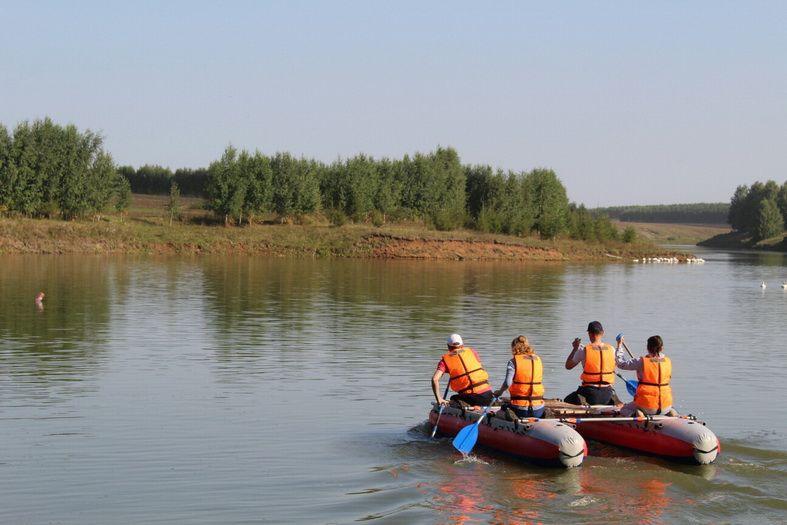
265,390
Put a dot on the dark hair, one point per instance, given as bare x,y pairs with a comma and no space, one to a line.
655,344
595,327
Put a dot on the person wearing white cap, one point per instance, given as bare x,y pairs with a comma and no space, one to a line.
467,375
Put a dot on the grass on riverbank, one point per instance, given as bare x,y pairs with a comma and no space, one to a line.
734,240
145,229
670,233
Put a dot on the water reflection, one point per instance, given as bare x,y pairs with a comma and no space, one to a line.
282,385
64,340
270,313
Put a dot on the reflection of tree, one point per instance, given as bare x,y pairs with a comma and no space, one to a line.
261,306
63,340
343,311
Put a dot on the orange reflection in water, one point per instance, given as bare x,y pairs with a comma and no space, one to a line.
461,498
528,494
625,494
619,492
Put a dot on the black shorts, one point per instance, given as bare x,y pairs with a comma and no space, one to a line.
588,395
484,399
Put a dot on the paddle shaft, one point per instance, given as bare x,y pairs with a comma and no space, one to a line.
627,349
440,412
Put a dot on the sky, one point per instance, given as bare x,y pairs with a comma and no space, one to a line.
628,102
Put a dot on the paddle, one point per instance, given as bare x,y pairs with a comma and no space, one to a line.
466,438
631,384
440,412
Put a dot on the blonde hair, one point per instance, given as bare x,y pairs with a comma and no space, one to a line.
520,346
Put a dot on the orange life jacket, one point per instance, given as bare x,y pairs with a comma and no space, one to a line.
654,392
527,389
599,366
467,374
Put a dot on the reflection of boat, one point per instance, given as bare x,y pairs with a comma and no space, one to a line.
681,438
548,441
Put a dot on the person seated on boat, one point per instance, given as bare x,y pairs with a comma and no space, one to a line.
524,373
467,375
654,371
598,370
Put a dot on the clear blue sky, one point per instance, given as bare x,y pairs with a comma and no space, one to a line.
629,102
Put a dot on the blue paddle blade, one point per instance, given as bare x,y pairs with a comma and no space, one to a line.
631,386
466,438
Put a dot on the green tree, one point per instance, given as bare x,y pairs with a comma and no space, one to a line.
781,201
388,198
74,199
629,235
122,194
191,181
550,201
150,179
6,163
478,190
102,182
258,174
173,205
769,220
351,187
737,214
226,188
23,189
296,185
581,225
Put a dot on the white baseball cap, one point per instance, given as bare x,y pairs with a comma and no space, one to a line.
455,340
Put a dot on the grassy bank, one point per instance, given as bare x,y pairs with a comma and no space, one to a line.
144,236
145,229
734,240
670,233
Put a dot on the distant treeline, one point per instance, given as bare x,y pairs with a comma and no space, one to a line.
47,170
760,210
433,187
157,180
695,213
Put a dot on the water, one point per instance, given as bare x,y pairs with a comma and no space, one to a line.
267,390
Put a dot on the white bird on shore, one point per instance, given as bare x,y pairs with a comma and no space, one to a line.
762,285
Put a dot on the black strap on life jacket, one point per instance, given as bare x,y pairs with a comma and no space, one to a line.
658,385
601,366
467,373
530,397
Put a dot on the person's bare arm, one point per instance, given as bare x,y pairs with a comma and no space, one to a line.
570,363
436,387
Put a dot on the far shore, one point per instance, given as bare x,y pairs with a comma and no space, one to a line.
146,229
137,236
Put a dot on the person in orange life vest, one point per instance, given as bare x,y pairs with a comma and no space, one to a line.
598,370
467,375
524,374
654,371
